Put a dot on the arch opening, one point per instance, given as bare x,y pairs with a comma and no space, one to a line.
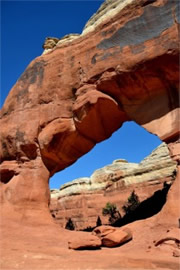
130,142
108,173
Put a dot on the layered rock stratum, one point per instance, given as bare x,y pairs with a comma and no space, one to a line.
68,99
83,199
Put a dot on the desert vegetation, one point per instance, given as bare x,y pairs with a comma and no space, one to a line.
98,222
70,225
132,203
111,210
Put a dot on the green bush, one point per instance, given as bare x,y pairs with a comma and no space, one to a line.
132,203
111,210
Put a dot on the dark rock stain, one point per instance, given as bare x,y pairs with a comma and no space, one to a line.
22,93
20,136
5,152
108,32
72,61
93,60
100,57
138,49
109,54
148,26
33,73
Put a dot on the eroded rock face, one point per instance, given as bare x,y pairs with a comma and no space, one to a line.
82,199
83,90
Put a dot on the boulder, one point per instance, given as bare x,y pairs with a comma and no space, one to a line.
106,236
85,241
111,236
116,238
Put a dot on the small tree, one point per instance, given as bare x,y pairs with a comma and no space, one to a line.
98,222
70,225
111,210
132,203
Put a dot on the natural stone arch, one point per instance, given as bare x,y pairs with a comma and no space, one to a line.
130,143
80,92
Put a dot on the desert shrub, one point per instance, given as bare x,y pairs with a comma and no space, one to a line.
98,222
132,203
111,210
70,225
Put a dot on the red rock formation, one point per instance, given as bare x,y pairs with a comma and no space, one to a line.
79,93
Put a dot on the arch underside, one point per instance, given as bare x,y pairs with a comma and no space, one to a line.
147,96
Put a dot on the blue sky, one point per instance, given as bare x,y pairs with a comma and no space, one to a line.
24,27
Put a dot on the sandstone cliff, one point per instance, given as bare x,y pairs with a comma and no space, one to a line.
82,199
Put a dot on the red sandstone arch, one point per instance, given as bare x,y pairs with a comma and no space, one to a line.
80,93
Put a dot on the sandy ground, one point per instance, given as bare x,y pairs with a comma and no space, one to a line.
46,247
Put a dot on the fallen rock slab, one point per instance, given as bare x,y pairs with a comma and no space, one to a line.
112,237
86,241
116,238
